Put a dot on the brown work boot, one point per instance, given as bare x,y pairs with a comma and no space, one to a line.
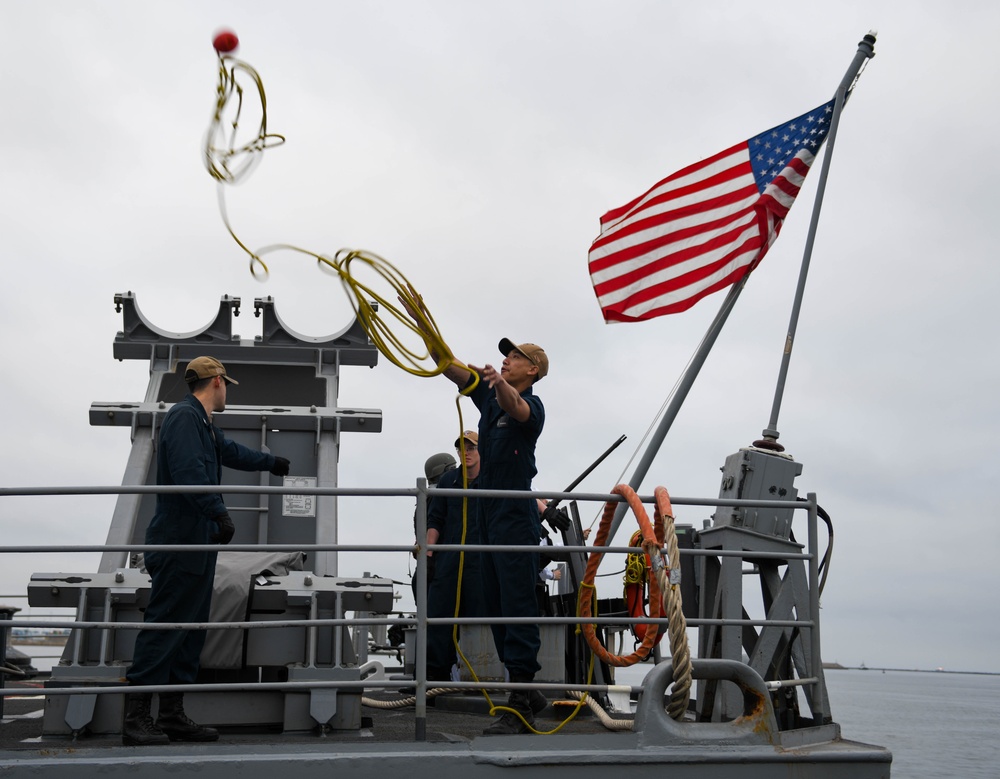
177,725
138,728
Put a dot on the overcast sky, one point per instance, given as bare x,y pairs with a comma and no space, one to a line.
475,145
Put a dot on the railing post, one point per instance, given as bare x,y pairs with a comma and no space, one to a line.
6,615
820,699
420,659
814,583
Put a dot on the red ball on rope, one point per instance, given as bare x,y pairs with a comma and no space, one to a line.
225,41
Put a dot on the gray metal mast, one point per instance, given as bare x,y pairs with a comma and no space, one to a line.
865,52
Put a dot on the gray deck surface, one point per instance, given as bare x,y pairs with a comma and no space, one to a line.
454,748
450,718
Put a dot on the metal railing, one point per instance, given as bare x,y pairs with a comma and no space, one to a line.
420,619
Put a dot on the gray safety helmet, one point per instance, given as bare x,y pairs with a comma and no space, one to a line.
436,465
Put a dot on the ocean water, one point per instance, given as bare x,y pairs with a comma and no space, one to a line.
935,724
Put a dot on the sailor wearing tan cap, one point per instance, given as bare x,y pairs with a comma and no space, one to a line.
510,422
190,450
452,520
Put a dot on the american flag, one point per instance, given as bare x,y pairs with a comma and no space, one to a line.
704,227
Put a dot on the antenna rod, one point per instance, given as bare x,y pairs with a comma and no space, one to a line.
551,514
586,473
866,50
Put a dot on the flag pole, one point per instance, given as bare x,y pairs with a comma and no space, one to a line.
683,387
866,50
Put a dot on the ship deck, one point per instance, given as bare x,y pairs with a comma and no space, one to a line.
451,718
453,746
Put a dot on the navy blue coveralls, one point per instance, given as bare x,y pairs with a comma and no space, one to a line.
191,450
445,515
507,453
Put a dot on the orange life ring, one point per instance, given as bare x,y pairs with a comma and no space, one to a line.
651,543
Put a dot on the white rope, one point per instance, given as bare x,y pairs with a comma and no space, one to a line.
606,719
401,703
680,652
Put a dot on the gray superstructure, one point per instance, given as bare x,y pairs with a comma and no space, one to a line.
306,681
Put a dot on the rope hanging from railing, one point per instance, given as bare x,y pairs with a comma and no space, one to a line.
669,582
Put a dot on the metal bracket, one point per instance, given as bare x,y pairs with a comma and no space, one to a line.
141,339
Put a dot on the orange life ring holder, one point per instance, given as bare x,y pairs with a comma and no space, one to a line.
652,543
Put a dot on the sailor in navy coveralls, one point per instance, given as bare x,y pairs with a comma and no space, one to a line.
191,450
507,451
511,419
445,526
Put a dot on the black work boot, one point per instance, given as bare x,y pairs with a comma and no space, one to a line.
138,729
510,724
177,725
536,701
527,703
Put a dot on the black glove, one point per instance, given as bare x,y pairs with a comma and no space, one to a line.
280,467
226,530
557,518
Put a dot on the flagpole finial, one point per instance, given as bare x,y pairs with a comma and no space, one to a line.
867,44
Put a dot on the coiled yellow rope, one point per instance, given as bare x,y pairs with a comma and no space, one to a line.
226,161
635,565
229,161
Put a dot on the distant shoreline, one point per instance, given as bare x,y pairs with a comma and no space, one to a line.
39,640
49,640
839,667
